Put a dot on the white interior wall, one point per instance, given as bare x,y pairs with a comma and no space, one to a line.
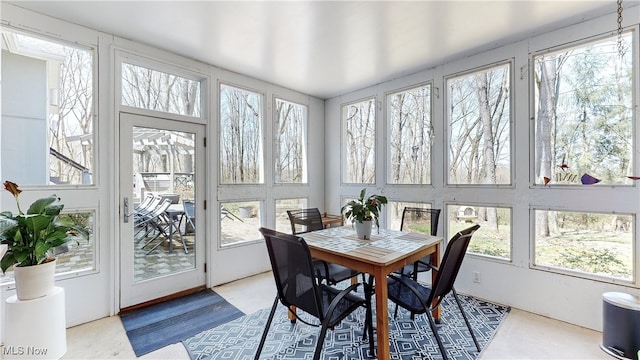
565,297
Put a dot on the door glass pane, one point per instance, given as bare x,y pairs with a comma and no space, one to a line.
163,202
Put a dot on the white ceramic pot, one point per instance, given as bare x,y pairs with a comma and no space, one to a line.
363,229
34,281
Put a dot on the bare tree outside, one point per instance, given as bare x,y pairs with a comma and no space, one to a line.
290,153
410,136
584,125
156,90
66,74
480,131
479,127
584,114
240,136
359,120
71,121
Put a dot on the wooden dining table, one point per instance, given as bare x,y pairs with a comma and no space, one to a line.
386,252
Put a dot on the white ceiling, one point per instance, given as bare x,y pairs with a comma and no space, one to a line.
325,48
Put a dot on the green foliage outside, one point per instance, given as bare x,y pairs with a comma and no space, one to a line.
599,244
486,241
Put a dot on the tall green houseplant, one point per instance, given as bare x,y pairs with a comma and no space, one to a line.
29,236
364,208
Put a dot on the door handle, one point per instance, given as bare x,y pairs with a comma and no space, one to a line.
125,209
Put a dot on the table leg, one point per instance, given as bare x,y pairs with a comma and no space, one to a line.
170,233
382,315
290,314
435,260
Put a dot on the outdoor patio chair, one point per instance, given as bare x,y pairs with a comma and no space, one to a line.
419,299
155,223
189,215
224,213
144,216
146,207
298,287
307,220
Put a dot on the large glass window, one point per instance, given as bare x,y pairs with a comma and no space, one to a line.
290,142
358,160
160,91
282,218
394,212
410,136
479,127
241,121
47,112
583,112
239,222
74,256
591,243
494,236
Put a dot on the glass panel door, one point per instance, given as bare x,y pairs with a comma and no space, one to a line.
161,237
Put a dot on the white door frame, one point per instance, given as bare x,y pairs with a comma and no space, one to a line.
131,292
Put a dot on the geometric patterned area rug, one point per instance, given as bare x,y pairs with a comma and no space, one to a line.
238,339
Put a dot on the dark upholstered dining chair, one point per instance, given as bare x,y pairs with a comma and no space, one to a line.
297,286
424,221
307,220
419,299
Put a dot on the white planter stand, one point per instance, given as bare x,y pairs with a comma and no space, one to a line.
35,329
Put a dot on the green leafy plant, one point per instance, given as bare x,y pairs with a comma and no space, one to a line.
364,209
30,236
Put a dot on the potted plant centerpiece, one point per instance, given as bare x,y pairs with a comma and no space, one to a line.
363,212
30,236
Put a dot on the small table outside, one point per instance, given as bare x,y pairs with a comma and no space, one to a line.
386,252
328,220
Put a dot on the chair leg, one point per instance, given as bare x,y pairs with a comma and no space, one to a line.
464,316
432,324
368,327
321,336
266,329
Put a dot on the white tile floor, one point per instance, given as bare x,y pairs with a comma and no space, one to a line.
522,335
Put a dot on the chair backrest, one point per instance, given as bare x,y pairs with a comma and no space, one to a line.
450,265
189,208
293,271
420,220
162,207
305,220
146,201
